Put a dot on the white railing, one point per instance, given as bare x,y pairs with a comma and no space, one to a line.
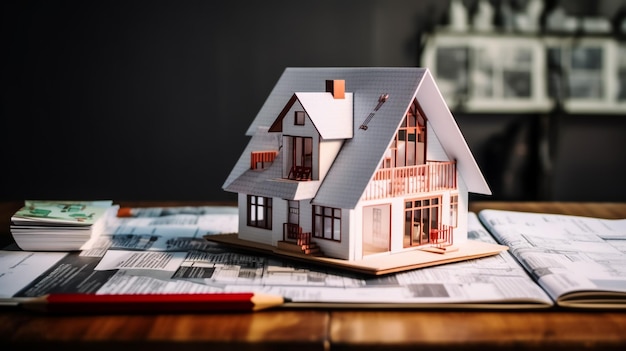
400,181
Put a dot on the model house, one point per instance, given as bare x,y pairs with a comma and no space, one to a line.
349,163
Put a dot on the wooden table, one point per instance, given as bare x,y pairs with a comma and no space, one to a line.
320,329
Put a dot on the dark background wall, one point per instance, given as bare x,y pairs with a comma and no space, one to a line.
149,100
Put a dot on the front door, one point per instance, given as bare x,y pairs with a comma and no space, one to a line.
376,229
293,219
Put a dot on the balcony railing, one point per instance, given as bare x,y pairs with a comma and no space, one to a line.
299,173
402,181
258,159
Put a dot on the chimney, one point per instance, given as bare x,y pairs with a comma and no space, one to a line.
336,87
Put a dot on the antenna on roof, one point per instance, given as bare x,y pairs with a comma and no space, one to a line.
381,101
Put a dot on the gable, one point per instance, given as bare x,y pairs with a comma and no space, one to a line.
445,127
331,117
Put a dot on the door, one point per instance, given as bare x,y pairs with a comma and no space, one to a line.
293,219
376,229
301,158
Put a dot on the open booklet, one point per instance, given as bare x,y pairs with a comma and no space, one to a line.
165,252
578,261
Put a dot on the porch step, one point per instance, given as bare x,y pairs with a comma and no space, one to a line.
307,249
313,250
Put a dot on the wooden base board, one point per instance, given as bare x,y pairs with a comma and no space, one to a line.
378,264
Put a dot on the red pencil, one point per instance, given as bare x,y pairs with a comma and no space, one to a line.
92,303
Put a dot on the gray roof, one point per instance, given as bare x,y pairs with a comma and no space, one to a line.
360,156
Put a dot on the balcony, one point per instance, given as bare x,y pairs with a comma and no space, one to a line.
403,181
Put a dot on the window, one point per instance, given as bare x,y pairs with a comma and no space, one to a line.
327,223
421,216
299,118
259,212
454,210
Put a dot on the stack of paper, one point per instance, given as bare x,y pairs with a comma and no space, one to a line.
59,225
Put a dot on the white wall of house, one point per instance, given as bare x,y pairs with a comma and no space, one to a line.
328,151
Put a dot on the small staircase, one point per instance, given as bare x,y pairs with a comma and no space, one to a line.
307,249
302,243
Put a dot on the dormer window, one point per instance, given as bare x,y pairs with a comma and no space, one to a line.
298,118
